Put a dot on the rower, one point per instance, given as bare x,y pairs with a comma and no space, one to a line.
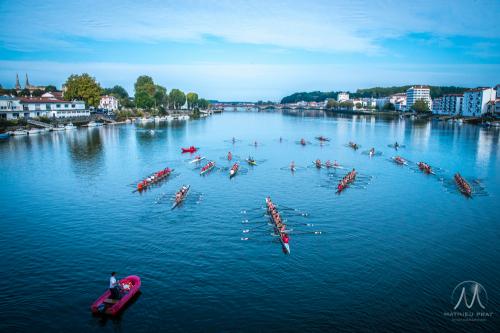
292,165
285,238
328,164
229,156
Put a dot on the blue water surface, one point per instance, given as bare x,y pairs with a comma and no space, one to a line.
391,250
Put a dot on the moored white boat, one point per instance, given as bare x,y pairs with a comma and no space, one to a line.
34,131
69,126
169,118
93,124
19,132
58,128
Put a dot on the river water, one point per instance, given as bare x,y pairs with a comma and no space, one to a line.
391,251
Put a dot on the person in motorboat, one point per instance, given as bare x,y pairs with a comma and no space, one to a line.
114,286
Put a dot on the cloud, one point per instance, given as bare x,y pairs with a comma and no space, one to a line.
329,26
256,81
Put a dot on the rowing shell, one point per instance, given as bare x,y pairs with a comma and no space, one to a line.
207,169
233,170
251,162
286,246
154,181
197,160
176,203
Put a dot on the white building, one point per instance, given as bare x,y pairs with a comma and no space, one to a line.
10,108
416,93
53,108
452,104
342,97
437,105
109,103
476,100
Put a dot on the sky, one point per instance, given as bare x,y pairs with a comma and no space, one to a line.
252,50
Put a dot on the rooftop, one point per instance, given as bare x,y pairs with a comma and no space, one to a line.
46,100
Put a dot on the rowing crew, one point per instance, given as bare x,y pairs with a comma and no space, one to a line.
349,178
328,164
425,167
463,185
275,215
233,170
399,160
353,145
153,178
251,160
180,195
207,167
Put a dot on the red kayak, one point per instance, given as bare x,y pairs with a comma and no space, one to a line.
191,149
129,285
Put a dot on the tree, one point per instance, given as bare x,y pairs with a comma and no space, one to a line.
160,96
143,100
203,104
389,107
346,104
332,104
83,87
420,106
25,93
50,88
176,98
145,83
359,105
117,91
192,100
37,93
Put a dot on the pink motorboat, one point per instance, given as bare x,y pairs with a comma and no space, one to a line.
104,304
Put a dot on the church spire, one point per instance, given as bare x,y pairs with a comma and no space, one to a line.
27,85
18,86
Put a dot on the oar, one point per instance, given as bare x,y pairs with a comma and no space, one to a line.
245,231
295,223
308,232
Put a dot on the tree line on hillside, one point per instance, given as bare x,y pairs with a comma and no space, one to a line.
319,96
147,95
